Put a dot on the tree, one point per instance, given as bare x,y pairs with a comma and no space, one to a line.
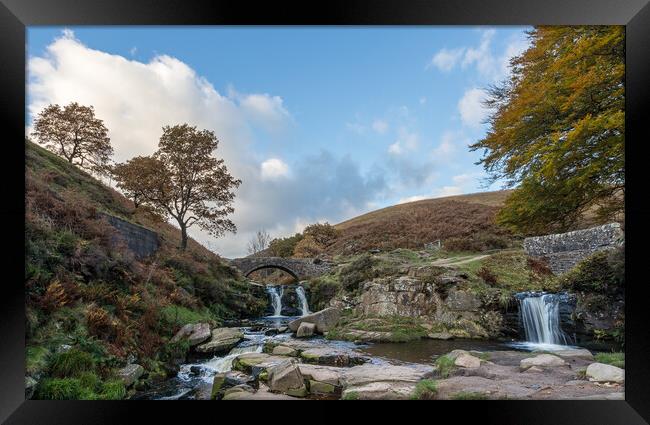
74,133
184,181
323,234
259,242
131,175
284,247
557,129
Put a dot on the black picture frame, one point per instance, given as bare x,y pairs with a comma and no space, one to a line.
16,15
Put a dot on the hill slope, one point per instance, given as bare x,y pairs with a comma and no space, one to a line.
466,220
90,303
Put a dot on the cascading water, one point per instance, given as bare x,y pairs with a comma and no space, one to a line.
275,292
302,297
540,315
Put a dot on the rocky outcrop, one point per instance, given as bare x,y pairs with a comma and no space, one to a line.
222,340
323,320
194,333
286,378
383,382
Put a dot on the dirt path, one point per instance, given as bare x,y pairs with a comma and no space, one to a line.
456,261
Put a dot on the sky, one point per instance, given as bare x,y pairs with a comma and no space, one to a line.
319,123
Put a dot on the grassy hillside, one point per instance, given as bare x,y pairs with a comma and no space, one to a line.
464,222
90,304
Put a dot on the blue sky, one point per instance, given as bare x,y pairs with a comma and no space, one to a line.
321,124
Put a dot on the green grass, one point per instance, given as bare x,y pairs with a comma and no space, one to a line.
615,359
177,315
468,395
36,359
445,366
86,387
425,390
72,363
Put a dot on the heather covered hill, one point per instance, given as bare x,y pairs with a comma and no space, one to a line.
463,222
91,304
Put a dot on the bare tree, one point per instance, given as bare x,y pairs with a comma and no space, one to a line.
259,242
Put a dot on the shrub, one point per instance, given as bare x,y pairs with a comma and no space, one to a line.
539,266
425,389
445,365
323,234
603,272
487,275
357,272
71,363
321,291
307,248
59,389
284,247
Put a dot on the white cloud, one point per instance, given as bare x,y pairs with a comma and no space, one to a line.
490,65
395,149
472,111
274,168
449,143
448,191
380,126
266,110
411,199
445,60
356,128
133,51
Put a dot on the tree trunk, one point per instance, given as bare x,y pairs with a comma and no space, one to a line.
183,236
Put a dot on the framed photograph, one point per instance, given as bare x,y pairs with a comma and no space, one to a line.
353,200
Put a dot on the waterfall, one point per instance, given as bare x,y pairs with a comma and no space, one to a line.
540,315
302,297
276,299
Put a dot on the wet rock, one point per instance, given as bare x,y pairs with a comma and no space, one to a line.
282,350
234,378
440,335
362,336
222,340
600,372
255,363
237,392
305,330
579,353
194,333
218,386
286,378
328,356
467,361
130,373
542,360
323,320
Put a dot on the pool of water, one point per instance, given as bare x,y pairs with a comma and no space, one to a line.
427,350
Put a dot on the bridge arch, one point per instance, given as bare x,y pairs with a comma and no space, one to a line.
272,266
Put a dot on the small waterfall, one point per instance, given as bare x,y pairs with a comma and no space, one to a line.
276,299
302,297
540,315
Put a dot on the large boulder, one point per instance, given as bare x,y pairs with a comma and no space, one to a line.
194,333
305,330
223,340
332,357
542,360
382,382
286,378
130,373
467,361
601,372
283,350
323,320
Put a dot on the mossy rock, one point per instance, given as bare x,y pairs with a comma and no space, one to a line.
317,387
217,385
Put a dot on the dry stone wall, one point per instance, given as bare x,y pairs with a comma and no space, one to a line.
564,250
142,241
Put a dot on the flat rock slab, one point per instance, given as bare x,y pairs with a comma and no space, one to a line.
222,340
577,353
542,360
368,373
327,374
332,357
254,363
380,391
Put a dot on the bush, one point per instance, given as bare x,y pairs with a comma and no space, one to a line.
445,365
481,241
426,389
321,291
59,389
284,247
323,234
487,275
469,395
307,248
357,272
603,273
71,363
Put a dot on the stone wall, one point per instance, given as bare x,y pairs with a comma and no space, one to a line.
564,250
142,241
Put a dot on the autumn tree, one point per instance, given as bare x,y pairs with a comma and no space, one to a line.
259,242
184,181
557,129
74,133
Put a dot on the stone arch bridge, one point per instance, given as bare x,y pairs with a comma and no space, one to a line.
299,268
